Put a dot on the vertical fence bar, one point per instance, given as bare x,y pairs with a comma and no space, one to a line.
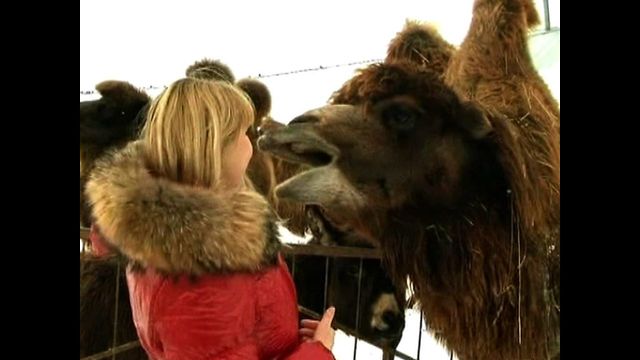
115,317
83,254
326,283
336,251
355,341
547,18
419,336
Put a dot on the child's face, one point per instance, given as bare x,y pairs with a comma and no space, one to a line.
235,159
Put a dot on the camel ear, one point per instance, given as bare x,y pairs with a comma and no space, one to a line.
122,92
259,94
421,44
209,69
473,120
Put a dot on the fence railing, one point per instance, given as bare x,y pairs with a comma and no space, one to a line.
292,251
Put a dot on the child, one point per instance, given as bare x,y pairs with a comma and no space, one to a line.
205,278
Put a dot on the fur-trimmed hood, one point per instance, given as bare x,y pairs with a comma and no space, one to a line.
176,228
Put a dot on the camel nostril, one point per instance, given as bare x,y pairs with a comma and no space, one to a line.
389,317
393,323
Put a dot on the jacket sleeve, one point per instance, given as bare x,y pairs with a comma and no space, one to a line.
311,350
212,318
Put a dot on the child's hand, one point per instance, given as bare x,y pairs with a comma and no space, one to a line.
314,330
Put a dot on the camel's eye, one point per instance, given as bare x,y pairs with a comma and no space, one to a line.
400,117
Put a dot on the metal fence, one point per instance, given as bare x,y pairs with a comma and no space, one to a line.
290,251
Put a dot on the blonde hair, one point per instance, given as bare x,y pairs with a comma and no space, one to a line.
188,127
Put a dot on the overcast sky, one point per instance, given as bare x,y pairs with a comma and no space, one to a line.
151,42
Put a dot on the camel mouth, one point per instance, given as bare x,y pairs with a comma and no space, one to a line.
385,341
298,145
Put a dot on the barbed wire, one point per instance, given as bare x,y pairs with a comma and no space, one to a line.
262,76
150,87
319,68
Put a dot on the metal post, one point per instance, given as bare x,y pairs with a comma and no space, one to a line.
547,21
419,336
355,341
326,283
293,266
115,317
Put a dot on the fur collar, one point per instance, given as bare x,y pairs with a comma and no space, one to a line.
175,228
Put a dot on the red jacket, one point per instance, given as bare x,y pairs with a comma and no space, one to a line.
206,280
235,316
